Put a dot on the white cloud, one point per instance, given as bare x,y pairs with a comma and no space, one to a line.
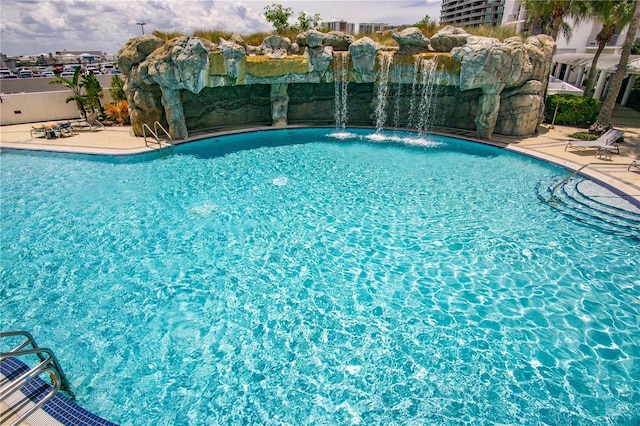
37,26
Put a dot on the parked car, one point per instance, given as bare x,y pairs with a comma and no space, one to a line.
107,68
67,74
70,68
114,71
25,74
5,73
47,73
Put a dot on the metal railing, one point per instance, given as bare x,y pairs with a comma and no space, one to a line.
155,133
578,170
48,364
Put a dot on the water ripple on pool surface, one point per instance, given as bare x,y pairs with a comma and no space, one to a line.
333,281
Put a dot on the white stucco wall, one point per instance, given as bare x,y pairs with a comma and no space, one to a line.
18,108
583,33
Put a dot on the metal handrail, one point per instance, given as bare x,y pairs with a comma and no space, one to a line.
17,384
56,386
155,129
145,126
155,133
30,340
575,172
19,351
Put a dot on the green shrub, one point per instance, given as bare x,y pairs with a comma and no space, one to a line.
584,136
634,97
572,110
116,89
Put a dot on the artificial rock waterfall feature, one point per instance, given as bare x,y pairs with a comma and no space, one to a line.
190,84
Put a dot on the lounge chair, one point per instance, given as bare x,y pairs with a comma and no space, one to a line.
43,131
91,123
51,131
66,129
607,142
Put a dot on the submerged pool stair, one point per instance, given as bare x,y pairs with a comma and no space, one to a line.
594,205
23,394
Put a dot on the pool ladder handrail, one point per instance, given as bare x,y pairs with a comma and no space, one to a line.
156,134
578,170
48,364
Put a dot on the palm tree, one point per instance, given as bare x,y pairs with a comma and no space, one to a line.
604,118
75,85
611,14
556,11
93,91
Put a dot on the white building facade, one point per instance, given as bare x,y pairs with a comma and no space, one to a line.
573,57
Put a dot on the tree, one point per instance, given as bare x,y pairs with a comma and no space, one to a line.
117,89
93,91
278,16
423,22
554,11
307,21
76,87
604,118
611,14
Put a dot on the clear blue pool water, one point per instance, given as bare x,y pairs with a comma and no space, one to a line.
292,277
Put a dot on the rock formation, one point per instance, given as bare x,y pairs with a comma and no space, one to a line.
364,54
500,84
338,40
411,41
448,38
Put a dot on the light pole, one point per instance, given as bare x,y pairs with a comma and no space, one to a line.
142,24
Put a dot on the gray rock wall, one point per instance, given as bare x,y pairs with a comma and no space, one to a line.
482,84
223,107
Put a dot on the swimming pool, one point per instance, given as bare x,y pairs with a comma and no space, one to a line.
292,277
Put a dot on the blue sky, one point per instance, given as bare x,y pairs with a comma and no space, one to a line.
30,27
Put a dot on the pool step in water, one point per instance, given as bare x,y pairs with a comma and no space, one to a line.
601,199
595,205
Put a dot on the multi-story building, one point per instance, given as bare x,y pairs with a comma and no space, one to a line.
372,27
344,26
574,55
472,13
583,37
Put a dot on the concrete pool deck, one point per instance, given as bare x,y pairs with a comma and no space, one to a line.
548,145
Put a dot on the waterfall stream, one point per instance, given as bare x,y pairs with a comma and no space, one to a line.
423,94
425,109
390,92
341,61
383,90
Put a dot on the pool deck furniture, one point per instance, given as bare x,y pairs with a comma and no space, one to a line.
52,131
635,164
91,123
607,142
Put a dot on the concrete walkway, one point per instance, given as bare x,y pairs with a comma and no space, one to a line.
550,142
548,145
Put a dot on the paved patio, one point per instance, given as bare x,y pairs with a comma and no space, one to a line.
548,145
